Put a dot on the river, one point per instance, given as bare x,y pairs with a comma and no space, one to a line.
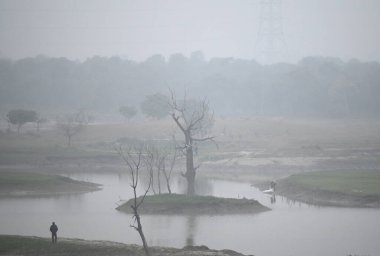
290,229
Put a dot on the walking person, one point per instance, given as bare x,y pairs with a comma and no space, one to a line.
273,185
53,230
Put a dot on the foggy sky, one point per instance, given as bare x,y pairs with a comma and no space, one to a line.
220,28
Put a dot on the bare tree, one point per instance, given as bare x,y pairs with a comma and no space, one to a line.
150,160
171,158
162,159
159,164
72,124
193,118
136,159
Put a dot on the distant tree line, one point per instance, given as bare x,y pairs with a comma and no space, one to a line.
314,87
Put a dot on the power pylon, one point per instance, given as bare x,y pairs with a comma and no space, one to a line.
270,43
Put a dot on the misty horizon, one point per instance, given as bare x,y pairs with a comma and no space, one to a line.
139,29
314,87
205,58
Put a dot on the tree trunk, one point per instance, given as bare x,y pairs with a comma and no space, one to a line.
167,179
190,171
159,180
141,233
167,182
169,189
152,180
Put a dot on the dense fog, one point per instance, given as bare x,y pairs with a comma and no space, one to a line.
190,127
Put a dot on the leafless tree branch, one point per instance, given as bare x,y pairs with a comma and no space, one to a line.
133,157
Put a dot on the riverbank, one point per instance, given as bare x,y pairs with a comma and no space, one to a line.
341,188
23,245
194,205
14,183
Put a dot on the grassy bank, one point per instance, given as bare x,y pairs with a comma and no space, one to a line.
30,246
183,204
357,188
20,245
16,183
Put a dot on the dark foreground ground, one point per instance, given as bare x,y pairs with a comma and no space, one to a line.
28,246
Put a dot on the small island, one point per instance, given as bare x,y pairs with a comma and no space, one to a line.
176,204
14,183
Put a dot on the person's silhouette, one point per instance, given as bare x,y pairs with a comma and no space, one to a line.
53,230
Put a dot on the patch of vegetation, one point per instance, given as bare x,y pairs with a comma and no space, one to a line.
356,188
184,204
16,183
36,246
19,245
353,182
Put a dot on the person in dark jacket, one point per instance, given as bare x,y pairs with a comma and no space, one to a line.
53,230
273,185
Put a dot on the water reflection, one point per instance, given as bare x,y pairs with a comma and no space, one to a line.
191,226
292,228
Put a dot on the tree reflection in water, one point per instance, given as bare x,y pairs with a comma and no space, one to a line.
191,226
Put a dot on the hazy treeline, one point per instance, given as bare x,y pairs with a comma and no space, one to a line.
314,87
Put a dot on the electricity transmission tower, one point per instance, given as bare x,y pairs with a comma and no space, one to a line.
270,43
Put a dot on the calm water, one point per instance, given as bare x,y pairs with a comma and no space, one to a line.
289,229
